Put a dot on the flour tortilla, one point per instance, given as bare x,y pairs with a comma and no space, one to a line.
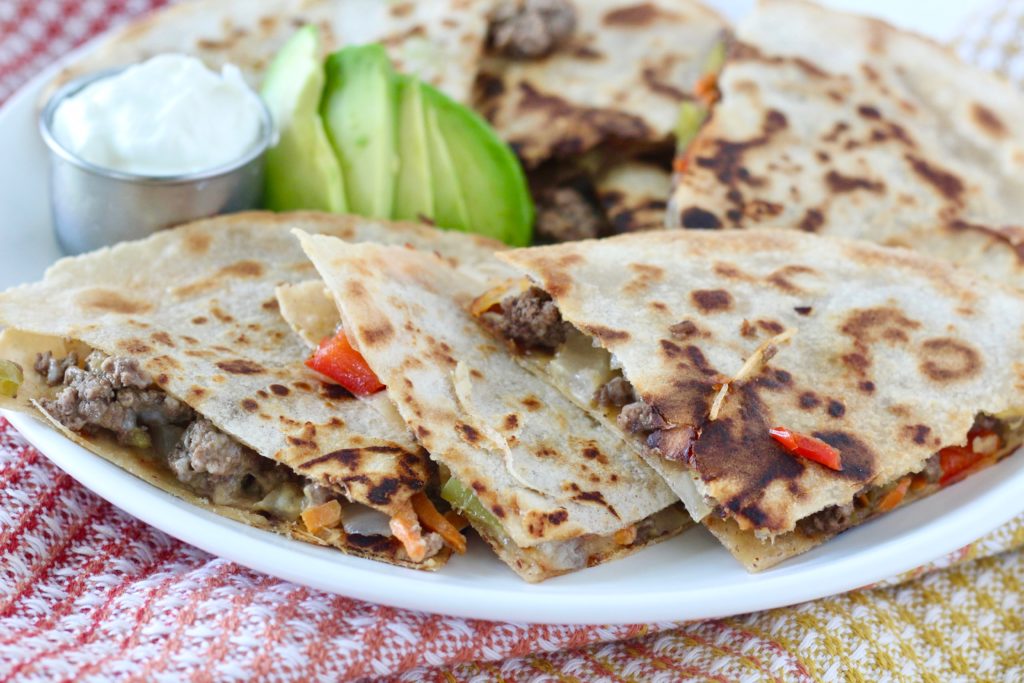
439,41
547,471
196,306
621,78
844,125
890,355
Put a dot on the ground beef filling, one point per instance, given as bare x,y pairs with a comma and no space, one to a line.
532,320
836,518
113,394
567,213
529,29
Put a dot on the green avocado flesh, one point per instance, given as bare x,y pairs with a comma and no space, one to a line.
356,137
301,171
414,198
359,111
491,182
464,500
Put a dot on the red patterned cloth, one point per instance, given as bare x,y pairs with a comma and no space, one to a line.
89,593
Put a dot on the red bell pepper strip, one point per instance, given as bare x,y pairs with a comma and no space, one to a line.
957,462
336,358
807,447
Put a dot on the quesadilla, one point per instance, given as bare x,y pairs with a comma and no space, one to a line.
602,71
789,386
168,356
549,489
843,125
438,41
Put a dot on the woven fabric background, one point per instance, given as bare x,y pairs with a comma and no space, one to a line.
89,593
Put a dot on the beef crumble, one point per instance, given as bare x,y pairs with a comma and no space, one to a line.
114,394
640,416
529,29
532,320
616,392
567,213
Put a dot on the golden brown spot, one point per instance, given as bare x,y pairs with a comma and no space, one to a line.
378,334
240,366
606,334
269,305
988,121
949,360
531,404
711,300
134,346
838,183
869,325
947,184
110,301
200,320
468,432
163,338
511,421
812,220
197,242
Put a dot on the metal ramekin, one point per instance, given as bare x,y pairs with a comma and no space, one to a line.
94,206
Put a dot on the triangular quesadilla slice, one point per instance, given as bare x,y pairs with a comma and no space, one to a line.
564,77
171,350
843,125
549,489
804,384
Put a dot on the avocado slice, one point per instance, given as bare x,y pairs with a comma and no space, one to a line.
301,171
414,199
449,204
359,110
491,181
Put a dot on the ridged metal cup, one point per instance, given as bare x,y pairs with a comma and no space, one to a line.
94,206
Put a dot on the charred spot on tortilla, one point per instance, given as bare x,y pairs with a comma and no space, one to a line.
531,403
334,391
240,366
268,305
557,517
381,493
917,433
945,183
697,218
859,462
711,300
606,334
836,408
870,325
162,337
468,433
838,183
808,400
250,405
134,346
781,277
988,121
102,299
379,334
949,360
802,310
812,220
684,329
771,326
869,111
279,389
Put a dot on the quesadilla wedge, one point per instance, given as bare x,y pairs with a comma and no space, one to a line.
440,41
843,125
548,488
804,384
562,79
168,356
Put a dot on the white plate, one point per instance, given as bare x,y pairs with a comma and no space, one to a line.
690,577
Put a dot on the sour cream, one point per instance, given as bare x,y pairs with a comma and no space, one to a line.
167,116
